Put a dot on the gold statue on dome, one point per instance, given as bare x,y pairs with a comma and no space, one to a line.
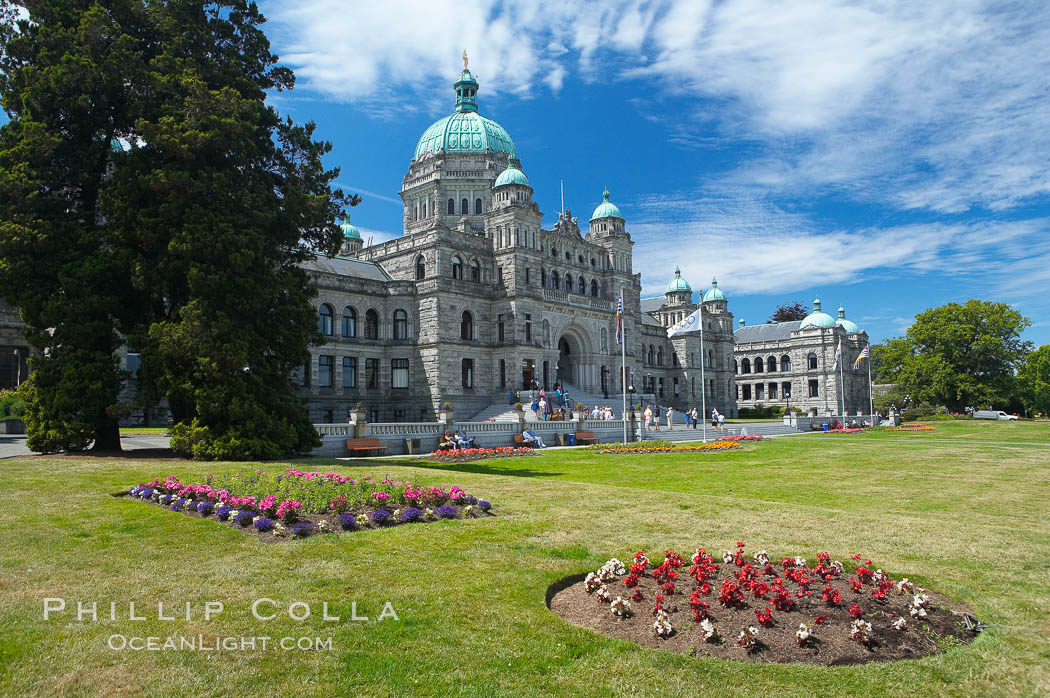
464,59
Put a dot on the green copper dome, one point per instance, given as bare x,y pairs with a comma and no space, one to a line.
678,283
512,175
350,232
715,294
817,319
465,131
606,209
848,325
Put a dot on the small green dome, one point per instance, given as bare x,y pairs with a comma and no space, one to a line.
512,175
678,283
848,325
715,294
465,131
817,319
606,209
350,232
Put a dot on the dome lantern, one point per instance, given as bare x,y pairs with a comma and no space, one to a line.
848,326
818,319
715,293
512,175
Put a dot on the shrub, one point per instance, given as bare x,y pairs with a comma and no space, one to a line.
11,404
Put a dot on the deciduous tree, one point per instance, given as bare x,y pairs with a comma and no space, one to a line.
789,312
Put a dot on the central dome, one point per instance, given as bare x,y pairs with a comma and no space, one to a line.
465,131
817,319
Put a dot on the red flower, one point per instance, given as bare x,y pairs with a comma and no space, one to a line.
765,617
637,595
819,620
855,611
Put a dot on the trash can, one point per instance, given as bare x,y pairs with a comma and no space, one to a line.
572,439
825,427
412,446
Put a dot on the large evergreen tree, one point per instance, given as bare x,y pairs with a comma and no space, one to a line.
188,244
69,79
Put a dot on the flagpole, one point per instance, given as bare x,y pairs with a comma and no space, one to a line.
871,398
623,366
842,385
703,380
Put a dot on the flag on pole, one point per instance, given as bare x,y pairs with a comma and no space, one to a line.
838,355
865,353
687,324
619,319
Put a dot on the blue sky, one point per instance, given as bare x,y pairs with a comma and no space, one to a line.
887,156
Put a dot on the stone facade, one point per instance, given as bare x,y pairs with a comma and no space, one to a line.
13,348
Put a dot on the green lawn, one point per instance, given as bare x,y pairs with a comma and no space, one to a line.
143,431
969,520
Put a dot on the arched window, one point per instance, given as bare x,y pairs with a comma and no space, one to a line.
324,319
785,363
464,206
371,325
582,286
554,279
421,268
771,364
477,206
745,365
457,268
400,324
605,341
758,365
710,358
349,322
475,271
736,368
652,355
543,278
812,361
568,283
466,326
451,206
660,356
594,287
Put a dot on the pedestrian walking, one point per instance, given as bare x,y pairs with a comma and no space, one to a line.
670,418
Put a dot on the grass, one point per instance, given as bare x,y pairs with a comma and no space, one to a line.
143,431
966,519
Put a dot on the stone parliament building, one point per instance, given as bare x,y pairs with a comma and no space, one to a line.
476,299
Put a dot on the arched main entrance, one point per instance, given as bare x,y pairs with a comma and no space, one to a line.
576,363
565,358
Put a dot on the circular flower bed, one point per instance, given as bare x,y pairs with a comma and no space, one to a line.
462,455
665,447
296,504
732,606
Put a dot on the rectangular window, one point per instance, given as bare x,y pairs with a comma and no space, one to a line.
327,416
499,327
526,276
747,392
814,388
499,275
502,372
676,387
325,367
372,374
399,415
399,374
528,327
759,391
785,390
468,373
772,391
349,372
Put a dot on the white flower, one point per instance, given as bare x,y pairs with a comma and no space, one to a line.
748,638
800,562
428,513
728,557
468,510
362,520
859,630
904,586
879,576
620,607
604,574
592,582
255,518
762,558
615,566
278,529
900,624
234,513
323,526
836,567
602,594
396,515
708,629
803,633
662,626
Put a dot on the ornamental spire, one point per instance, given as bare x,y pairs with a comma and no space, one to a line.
464,59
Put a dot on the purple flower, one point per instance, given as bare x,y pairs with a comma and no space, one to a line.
223,512
263,524
348,521
411,514
379,516
471,500
244,518
167,499
448,511
146,492
301,529
205,508
177,506
483,505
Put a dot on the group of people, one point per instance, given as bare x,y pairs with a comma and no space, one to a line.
532,438
455,441
654,413
602,413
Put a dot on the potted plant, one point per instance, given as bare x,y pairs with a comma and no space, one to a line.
578,413
446,414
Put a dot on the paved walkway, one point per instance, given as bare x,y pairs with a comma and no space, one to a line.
13,446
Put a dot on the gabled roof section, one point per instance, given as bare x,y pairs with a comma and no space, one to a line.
347,266
769,332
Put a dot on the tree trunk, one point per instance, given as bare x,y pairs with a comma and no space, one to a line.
107,437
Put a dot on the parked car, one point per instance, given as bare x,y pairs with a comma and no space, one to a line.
993,414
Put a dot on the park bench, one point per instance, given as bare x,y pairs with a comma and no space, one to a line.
520,441
586,437
355,445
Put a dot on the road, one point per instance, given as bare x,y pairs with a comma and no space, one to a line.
15,445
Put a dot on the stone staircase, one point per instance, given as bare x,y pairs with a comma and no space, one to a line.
504,412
